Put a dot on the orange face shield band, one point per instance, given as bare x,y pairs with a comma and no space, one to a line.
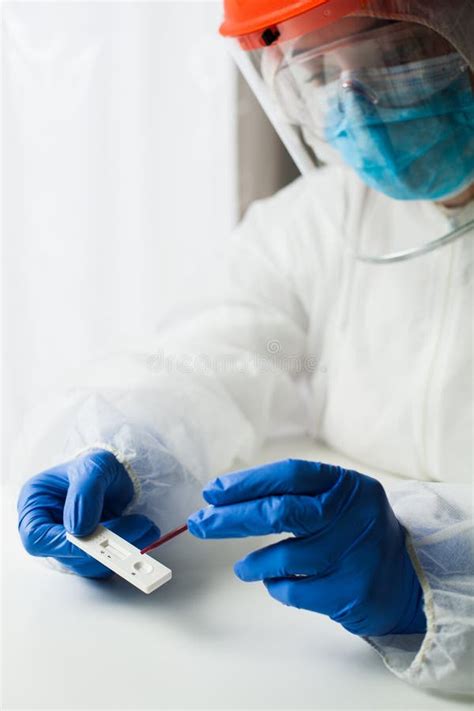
274,22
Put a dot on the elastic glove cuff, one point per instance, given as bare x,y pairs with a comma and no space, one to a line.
413,620
164,490
404,654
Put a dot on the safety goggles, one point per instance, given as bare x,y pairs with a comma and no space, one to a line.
392,65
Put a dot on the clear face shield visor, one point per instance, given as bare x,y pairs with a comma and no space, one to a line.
392,99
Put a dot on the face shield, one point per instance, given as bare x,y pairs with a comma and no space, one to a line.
385,89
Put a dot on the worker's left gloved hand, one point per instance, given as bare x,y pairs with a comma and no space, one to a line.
348,557
76,496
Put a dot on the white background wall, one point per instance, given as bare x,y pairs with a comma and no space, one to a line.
119,180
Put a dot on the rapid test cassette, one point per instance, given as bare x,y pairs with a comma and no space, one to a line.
119,555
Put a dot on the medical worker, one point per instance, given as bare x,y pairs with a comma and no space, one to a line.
348,314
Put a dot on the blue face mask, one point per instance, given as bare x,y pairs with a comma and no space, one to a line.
408,131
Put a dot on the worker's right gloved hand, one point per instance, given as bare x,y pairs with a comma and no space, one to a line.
75,497
347,557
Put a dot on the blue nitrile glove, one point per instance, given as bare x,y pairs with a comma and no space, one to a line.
75,497
348,558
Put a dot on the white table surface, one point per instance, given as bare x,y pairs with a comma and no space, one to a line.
203,641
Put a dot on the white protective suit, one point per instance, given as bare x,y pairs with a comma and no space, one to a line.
374,360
